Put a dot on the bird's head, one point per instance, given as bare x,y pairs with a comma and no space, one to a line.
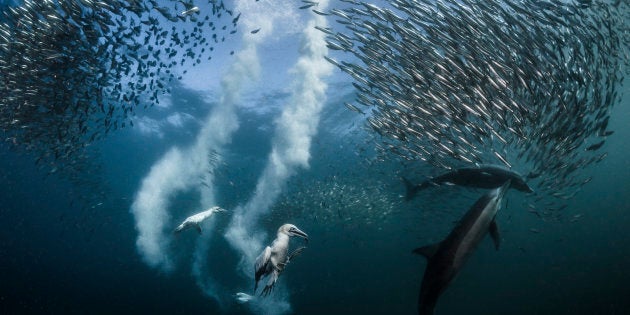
292,230
217,209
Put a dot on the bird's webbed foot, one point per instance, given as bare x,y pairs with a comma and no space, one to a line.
270,283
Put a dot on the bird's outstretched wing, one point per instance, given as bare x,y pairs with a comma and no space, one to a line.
292,255
276,272
296,252
261,266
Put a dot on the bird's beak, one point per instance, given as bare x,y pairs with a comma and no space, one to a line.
298,232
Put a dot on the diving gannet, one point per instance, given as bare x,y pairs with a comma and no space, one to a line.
274,258
196,219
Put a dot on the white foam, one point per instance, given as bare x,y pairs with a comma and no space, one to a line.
185,169
294,130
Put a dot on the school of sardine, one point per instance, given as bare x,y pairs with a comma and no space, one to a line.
528,84
74,70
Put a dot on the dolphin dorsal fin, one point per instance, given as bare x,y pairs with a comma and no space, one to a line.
427,251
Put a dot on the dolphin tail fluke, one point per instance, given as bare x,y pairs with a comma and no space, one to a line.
494,233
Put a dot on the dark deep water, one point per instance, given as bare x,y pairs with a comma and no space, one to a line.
68,241
58,257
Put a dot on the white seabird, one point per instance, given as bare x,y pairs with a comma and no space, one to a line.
274,258
196,219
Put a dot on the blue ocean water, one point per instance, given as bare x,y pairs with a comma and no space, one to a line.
70,245
61,257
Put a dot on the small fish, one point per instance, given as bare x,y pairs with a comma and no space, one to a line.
595,146
235,19
354,108
189,11
320,12
576,217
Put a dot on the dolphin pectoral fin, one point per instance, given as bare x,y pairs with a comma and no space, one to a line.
494,233
427,251
198,228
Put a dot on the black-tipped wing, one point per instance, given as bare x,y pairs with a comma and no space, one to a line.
261,266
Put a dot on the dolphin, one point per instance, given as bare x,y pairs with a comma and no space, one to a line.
446,258
273,259
196,219
481,176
